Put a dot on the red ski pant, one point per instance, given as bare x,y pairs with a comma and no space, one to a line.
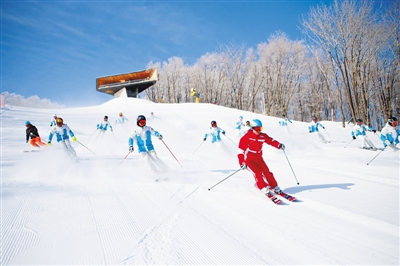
259,169
36,142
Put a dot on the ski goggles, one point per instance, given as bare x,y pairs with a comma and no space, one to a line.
258,129
142,122
394,123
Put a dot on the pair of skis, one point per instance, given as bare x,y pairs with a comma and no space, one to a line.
273,197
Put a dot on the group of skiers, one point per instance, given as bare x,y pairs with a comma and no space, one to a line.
249,147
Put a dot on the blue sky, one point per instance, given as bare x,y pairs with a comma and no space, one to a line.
57,49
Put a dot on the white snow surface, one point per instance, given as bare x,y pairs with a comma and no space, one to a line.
105,210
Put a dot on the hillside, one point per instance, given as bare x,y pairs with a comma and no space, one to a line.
109,211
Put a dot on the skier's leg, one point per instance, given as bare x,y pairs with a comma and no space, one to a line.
71,150
256,170
268,174
148,161
321,137
157,161
362,138
369,142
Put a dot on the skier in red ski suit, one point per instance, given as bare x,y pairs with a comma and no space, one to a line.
250,156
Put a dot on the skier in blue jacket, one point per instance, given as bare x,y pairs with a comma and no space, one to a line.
390,135
61,131
142,136
359,130
314,128
214,133
104,124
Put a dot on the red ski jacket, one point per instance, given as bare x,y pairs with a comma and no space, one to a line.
250,145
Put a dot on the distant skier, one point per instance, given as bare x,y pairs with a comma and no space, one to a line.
284,121
247,127
359,130
104,124
53,121
214,133
390,135
121,119
314,128
32,132
240,126
142,136
61,131
250,157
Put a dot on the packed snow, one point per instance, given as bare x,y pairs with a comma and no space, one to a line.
108,210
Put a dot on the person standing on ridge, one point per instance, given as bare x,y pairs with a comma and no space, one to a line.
61,131
390,135
359,130
142,136
314,128
32,132
250,157
214,133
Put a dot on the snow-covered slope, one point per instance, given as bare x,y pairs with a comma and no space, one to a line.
106,210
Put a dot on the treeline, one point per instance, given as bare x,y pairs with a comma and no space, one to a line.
347,67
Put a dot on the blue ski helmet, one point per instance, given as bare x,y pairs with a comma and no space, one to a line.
255,123
27,123
240,117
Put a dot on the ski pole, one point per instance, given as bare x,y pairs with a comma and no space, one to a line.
327,133
230,139
291,167
124,158
85,146
376,156
349,143
199,146
171,153
93,133
225,178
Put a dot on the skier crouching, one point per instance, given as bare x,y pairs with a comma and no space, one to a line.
142,136
61,131
250,157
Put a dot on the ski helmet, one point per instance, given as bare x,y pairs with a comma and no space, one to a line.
256,123
59,121
120,114
27,123
213,123
141,118
105,117
240,117
54,115
392,121
359,120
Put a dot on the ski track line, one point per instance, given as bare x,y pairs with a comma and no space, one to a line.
15,236
167,212
277,240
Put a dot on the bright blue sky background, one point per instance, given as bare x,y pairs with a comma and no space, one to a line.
57,49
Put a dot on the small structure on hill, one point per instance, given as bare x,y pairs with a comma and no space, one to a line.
127,85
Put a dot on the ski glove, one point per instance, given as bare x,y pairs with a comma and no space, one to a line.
49,143
243,166
204,139
354,137
130,148
74,138
309,131
374,130
282,146
223,132
160,137
323,127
